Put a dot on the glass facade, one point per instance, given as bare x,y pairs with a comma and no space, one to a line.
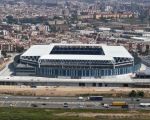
84,72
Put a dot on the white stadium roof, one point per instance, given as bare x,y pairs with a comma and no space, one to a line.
76,57
116,51
38,50
43,51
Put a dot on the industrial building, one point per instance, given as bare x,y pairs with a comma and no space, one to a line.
76,61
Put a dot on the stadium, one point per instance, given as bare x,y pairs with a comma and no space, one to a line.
76,61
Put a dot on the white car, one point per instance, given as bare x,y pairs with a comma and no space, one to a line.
12,105
81,106
47,98
6,97
106,105
80,98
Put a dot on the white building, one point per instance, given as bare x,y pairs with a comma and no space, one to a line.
76,61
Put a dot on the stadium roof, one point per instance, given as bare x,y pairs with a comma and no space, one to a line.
76,57
116,51
43,51
38,50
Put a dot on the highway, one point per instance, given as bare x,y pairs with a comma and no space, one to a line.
72,102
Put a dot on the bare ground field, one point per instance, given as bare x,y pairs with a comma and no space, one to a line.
130,114
70,91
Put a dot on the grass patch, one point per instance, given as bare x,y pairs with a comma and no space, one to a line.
50,114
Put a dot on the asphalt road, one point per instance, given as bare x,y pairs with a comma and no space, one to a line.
72,102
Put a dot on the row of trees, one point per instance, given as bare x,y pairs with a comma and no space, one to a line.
19,49
36,20
11,20
134,93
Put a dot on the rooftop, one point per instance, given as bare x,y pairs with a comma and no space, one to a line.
78,52
38,50
116,51
75,57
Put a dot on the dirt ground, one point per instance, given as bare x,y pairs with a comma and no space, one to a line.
108,115
102,114
68,91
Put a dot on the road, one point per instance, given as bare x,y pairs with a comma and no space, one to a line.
8,70
72,102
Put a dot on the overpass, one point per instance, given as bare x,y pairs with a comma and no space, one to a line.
103,82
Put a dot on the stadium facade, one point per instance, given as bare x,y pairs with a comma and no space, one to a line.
76,61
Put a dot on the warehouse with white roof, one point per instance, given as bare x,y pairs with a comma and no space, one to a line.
76,61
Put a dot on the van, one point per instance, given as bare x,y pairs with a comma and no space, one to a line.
106,105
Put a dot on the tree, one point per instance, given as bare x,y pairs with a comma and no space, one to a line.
132,93
19,49
140,94
11,20
4,53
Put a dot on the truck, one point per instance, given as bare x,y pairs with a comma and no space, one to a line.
145,104
95,98
119,103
